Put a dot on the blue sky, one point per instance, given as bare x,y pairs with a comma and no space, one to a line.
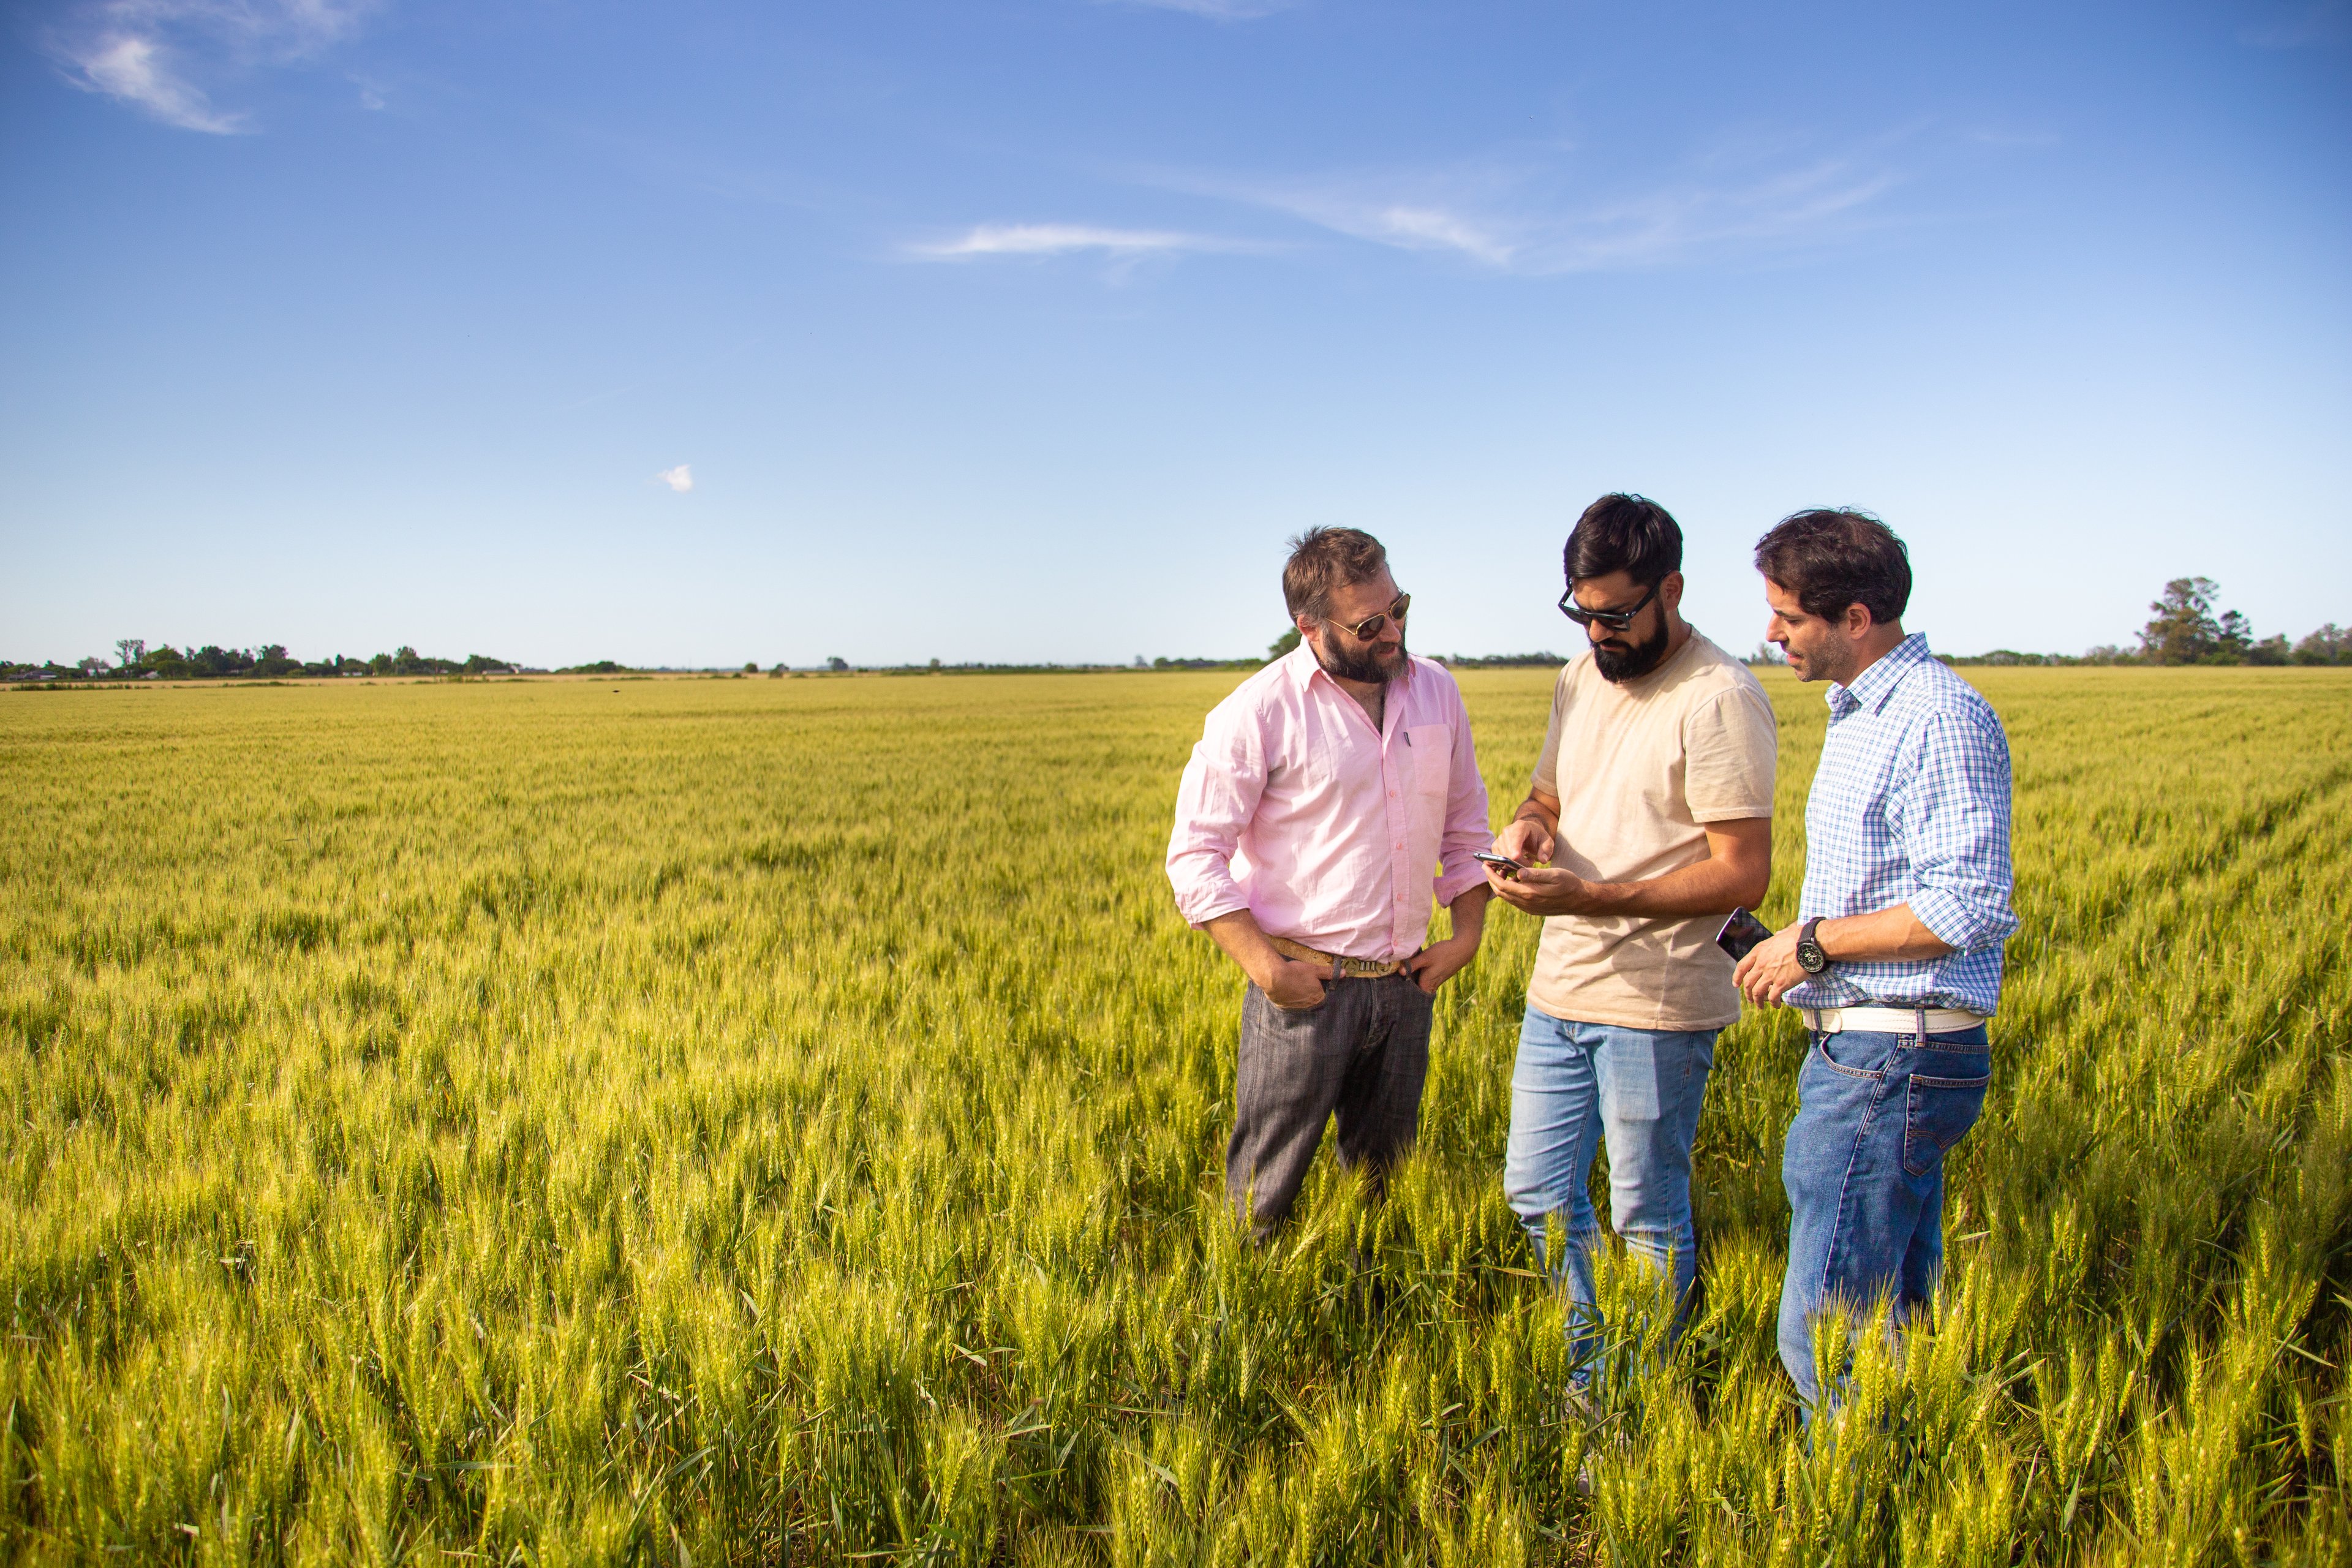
1017,329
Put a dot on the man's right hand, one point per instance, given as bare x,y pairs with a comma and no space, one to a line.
1525,840
1294,984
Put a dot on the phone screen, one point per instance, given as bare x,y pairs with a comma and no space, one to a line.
1741,932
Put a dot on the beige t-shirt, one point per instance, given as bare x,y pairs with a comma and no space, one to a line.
1637,768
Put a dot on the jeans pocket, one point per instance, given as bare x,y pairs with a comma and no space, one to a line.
1855,1053
1939,1111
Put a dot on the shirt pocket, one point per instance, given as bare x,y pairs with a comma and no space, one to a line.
1432,747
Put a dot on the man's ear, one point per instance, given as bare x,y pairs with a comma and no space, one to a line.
1857,621
1670,590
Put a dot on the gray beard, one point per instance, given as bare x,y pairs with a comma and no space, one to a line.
1364,665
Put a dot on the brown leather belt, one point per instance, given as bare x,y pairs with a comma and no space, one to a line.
1362,968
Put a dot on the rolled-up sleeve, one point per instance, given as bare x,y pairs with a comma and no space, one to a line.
1214,802
1465,829
1952,817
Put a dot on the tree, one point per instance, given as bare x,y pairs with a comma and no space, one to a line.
1283,643
837,663
93,665
129,651
2331,644
750,667
2271,649
2183,629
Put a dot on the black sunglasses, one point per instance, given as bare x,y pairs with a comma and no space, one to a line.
1370,626
1615,620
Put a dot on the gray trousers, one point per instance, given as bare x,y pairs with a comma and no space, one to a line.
1362,1055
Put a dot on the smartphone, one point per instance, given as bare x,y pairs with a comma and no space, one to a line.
1504,867
1740,933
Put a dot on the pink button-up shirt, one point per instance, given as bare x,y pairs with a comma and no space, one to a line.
1329,832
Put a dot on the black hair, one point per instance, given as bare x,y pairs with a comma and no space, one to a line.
1632,534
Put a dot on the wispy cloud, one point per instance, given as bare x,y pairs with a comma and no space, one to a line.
1216,10
1066,238
2011,136
149,53
1413,217
1532,217
680,478
139,70
2312,24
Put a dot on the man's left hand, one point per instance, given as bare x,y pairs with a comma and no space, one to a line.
1440,962
1771,968
1545,891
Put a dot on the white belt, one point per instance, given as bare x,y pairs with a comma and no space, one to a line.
1890,1020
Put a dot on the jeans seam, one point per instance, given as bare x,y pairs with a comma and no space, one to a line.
1838,1226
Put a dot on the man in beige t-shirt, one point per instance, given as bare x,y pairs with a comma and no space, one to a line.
1652,805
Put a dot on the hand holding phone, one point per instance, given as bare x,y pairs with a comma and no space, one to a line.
1503,865
1741,932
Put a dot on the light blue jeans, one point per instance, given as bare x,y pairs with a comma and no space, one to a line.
1574,1087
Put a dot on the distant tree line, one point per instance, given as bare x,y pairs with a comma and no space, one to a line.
135,660
2183,628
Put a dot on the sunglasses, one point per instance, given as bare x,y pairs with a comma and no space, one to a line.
1615,620
1370,626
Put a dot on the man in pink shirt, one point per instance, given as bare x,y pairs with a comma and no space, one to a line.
1330,796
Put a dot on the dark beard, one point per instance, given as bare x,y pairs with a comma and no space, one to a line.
1632,663
1363,664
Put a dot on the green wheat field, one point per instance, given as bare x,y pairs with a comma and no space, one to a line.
759,1120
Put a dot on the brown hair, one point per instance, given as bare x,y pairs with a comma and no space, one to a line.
1832,558
1324,560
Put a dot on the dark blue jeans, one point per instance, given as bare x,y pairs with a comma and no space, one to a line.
1864,1168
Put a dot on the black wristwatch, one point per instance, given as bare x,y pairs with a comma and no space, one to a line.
1809,956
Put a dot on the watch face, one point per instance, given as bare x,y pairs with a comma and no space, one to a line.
1811,958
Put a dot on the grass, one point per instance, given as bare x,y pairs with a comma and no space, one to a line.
757,1122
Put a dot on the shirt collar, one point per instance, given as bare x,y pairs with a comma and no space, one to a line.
1873,686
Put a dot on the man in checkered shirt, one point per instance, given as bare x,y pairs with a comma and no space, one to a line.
1896,955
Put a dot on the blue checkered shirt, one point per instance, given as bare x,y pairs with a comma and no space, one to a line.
1910,805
